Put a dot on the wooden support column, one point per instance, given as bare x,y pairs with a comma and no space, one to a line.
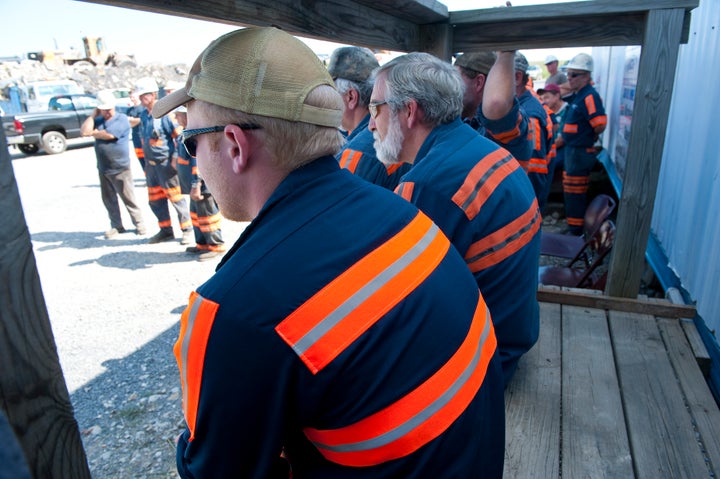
33,393
656,76
437,39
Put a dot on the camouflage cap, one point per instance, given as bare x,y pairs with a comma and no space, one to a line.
352,63
480,62
521,63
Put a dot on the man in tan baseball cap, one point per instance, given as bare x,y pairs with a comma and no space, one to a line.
336,288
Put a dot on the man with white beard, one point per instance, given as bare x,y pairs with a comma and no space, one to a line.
474,190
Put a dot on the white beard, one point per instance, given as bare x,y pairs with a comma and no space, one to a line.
388,150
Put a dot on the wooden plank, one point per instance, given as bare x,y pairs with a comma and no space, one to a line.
656,76
594,300
417,11
33,393
567,11
659,426
341,22
594,438
603,30
700,352
703,408
532,405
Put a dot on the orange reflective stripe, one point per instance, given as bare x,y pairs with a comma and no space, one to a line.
590,105
423,414
570,128
164,224
575,221
174,194
482,180
156,193
326,324
393,168
537,134
350,159
183,161
176,132
501,244
507,136
598,120
195,326
405,190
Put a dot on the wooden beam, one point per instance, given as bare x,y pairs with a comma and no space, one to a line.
33,393
340,21
630,305
437,39
587,12
601,30
656,76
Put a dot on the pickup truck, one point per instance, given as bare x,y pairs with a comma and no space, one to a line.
51,129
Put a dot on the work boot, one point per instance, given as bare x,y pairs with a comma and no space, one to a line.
207,255
187,237
162,235
113,232
193,250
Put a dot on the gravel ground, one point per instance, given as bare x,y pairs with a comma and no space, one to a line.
115,307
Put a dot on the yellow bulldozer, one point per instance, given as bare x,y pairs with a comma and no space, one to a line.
95,54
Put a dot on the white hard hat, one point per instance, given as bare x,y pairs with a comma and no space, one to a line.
106,100
581,61
146,85
550,59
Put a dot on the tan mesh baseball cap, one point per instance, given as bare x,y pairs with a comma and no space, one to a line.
259,71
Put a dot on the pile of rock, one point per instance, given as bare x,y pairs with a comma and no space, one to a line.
91,78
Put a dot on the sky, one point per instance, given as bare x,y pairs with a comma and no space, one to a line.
35,25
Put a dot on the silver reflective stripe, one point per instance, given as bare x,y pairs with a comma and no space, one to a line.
479,184
332,319
186,345
425,414
506,241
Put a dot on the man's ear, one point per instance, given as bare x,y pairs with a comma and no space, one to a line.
237,146
352,98
480,82
414,115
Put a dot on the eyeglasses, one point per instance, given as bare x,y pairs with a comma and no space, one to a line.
373,107
190,142
573,75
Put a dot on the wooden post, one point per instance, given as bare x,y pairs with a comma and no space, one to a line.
656,76
33,393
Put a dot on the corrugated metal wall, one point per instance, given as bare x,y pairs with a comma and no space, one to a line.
686,219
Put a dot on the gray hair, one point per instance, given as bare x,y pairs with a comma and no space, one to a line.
434,84
364,89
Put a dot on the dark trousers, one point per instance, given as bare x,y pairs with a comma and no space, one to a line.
579,162
119,184
163,186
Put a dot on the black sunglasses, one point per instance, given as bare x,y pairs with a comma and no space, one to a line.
190,142
573,75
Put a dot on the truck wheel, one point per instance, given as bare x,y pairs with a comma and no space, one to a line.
28,148
54,142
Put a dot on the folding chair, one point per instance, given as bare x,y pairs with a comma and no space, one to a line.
564,246
592,256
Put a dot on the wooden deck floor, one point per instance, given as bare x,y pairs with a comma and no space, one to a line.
610,394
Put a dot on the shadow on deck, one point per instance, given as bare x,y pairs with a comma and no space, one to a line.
612,389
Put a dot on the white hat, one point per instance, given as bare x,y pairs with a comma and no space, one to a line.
550,59
173,85
146,85
581,61
106,100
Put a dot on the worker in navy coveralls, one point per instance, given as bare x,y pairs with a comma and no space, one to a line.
489,102
474,190
584,122
341,336
351,69
541,134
